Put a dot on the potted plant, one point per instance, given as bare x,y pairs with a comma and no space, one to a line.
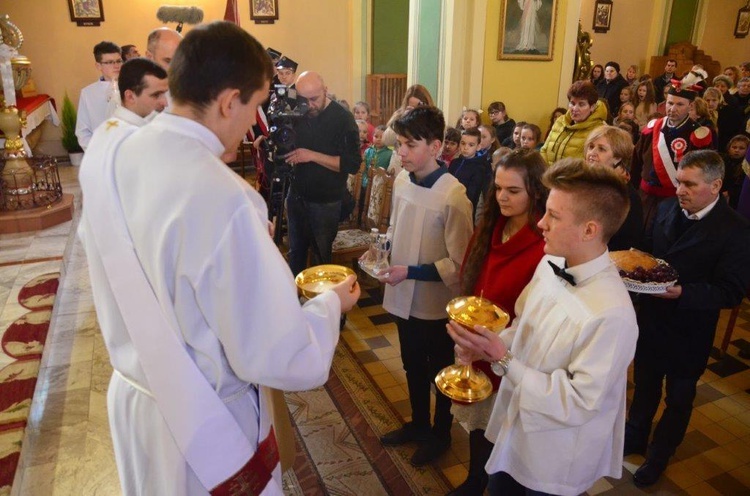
68,128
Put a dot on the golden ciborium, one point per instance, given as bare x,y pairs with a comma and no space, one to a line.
463,382
314,280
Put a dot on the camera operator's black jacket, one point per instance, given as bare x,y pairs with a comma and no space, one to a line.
332,132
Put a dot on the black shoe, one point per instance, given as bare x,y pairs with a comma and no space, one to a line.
648,473
406,434
472,486
430,450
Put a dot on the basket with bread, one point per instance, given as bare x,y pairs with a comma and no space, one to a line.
642,272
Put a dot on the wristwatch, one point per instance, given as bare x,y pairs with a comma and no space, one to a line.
500,367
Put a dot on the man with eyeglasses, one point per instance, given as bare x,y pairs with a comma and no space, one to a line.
99,100
327,150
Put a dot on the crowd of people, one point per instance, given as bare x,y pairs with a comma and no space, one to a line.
487,207
667,187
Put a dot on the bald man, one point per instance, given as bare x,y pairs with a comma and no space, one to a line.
327,150
162,43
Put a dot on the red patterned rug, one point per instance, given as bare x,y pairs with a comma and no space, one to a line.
22,343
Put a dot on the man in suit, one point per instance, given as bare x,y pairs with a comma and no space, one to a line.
664,79
707,243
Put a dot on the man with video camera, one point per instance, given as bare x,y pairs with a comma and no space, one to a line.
326,150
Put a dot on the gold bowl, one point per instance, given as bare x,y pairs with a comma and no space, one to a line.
314,280
475,310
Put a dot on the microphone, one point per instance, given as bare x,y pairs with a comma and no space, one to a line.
180,15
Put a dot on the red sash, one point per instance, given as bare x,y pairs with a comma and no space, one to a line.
659,166
251,479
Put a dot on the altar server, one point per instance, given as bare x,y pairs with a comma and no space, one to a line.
99,100
559,417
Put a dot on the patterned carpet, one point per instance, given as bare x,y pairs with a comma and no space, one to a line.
338,428
22,344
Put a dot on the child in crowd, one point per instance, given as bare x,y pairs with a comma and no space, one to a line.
627,111
531,136
626,95
488,142
361,112
632,128
432,225
469,119
556,114
450,145
363,141
500,121
515,139
471,170
376,155
645,102
499,153
734,176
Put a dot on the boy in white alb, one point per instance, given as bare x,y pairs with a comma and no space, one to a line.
559,419
99,100
432,225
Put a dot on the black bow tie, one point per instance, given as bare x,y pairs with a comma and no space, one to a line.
562,273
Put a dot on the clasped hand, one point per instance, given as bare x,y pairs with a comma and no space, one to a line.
482,344
298,156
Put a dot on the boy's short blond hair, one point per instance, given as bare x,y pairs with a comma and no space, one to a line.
601,194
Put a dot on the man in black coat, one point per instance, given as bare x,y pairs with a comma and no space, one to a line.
707,243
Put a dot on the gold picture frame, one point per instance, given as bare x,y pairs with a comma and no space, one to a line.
86,12
527,29
264,11
742,25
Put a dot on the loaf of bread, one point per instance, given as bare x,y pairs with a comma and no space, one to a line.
629,260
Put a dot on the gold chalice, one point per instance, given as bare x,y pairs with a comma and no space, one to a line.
314,280
463,382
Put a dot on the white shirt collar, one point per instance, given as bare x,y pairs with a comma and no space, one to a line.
703,212
585,270
130,117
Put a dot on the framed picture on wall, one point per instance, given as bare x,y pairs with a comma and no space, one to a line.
742,26
602,15
264,11
527,29
86,12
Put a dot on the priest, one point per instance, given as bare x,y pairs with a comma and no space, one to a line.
197,307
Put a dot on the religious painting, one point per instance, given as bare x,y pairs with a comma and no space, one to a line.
86,12
264,11
602,16
742,26
527,29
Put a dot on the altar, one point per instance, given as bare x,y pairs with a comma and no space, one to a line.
38,109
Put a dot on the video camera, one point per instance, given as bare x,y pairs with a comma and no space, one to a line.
283,111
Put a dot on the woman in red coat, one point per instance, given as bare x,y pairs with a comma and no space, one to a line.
500,260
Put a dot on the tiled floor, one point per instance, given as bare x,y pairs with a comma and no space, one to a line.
67,448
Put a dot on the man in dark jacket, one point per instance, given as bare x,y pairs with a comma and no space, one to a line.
609,88
707,242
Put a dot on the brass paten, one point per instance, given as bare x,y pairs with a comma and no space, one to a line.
314,280
463,382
